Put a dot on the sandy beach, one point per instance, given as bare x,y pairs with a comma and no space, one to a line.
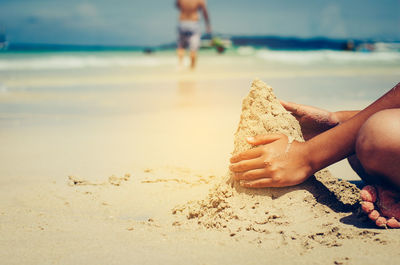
119,159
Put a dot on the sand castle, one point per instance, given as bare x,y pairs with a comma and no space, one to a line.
263,114
235,209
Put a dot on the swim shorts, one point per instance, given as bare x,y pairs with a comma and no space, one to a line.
189,35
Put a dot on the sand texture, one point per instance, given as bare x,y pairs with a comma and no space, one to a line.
141,178
303,215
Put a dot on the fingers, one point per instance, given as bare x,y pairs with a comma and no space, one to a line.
256,152
251,174
297,110
259,183
290,106
247,165
249,154
264,139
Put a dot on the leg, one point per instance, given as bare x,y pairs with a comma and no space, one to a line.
181,54
182,44
377,162
358,168
378,146
194,44
193,57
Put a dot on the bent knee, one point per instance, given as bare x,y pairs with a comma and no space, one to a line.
378,140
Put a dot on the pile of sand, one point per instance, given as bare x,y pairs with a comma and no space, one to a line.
291,211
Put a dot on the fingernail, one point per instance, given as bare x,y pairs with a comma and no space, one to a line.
250,139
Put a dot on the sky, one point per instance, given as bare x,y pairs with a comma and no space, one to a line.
153,22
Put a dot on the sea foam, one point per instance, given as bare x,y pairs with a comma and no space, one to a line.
48,62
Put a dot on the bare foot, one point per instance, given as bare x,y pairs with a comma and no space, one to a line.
381,205
313,121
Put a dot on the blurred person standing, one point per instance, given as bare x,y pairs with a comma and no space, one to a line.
189,27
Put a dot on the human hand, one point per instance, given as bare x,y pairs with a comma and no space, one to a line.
313,121
274,163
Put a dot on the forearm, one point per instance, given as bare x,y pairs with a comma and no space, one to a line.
339,142
343,116
206,17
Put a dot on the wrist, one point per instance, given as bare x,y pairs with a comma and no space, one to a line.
311,156
342,116
306,164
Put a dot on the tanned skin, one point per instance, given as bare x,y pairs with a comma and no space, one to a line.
368,138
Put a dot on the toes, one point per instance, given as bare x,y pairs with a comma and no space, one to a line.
393,223
381,221
374,215
368,193
388,205
367,207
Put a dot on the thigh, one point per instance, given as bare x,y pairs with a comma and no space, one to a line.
183,40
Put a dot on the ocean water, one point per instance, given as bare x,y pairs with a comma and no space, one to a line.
19,61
